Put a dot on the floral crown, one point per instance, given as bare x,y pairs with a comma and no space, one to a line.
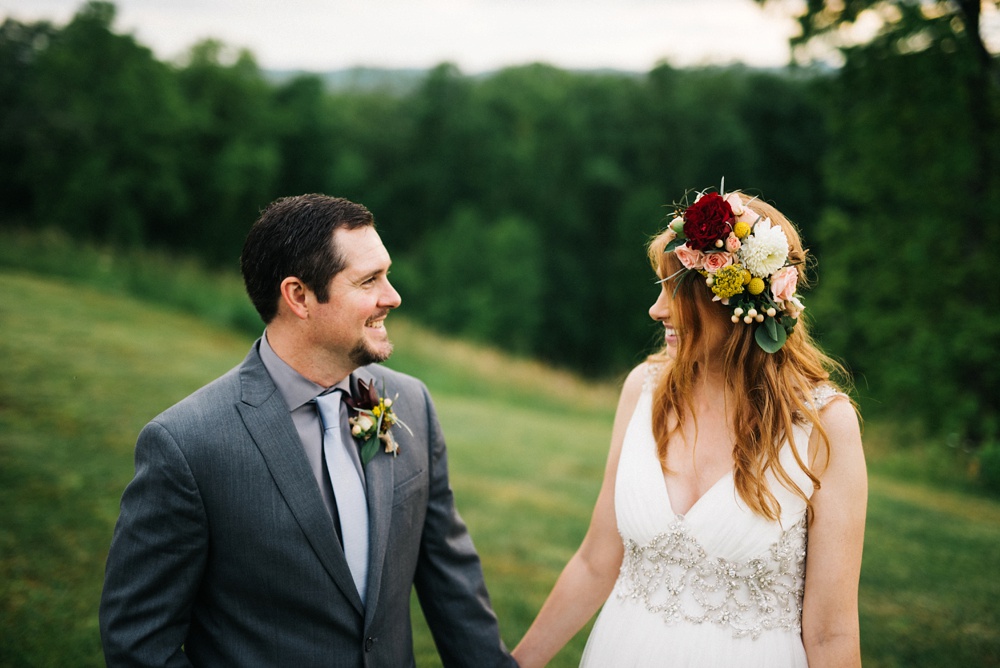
743,259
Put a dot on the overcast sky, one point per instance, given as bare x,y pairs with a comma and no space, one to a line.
477,35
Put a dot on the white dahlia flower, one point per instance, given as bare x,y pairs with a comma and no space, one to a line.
765,251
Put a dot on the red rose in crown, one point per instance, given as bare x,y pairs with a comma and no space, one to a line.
707,221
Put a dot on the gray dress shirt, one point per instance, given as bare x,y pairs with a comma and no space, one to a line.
299,394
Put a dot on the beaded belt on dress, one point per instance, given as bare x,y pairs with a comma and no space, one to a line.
674,577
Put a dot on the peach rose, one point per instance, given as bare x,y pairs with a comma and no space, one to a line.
733,243
689,257
716,261
735,203
749,216
783,283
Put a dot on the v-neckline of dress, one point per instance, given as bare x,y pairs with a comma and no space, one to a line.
670,504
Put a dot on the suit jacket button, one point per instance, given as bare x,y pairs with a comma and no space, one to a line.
368,644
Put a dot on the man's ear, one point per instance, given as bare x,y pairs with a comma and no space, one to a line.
294,294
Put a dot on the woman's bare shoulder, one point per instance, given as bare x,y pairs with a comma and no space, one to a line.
642,377
842,428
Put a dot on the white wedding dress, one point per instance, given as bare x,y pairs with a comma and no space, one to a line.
716,587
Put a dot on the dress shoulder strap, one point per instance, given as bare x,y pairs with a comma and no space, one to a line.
822,395
653,372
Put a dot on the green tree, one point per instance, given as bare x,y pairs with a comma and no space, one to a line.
906,25
560,153
548,181
513,262
906,240
481,279
441,157
591,160
21,46
100,153
305,135
372,130
231,158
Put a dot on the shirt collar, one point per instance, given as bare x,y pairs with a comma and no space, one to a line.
295,389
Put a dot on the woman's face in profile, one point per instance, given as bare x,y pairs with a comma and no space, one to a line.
661,312
714,330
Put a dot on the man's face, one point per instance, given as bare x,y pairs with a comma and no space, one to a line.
350,327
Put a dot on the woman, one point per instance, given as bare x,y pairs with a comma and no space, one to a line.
732,456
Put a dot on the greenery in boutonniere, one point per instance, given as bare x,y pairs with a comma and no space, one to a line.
371,417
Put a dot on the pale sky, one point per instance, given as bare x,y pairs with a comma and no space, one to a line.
477,35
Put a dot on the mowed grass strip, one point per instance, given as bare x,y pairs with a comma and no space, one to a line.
84,370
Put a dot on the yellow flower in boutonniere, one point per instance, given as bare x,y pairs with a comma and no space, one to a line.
370,418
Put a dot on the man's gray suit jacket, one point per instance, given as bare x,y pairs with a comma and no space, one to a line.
224,553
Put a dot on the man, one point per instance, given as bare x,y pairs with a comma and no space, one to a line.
243,538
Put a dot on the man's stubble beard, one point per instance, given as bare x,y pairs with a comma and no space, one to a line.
363,355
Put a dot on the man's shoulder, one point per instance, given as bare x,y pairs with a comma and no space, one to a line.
208,404
223,391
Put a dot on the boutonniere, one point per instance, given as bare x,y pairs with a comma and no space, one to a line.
371,417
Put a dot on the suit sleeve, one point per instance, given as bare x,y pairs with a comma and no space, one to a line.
156,559
449,578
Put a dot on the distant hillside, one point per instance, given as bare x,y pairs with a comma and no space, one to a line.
397,81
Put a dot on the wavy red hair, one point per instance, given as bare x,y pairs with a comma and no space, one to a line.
767,393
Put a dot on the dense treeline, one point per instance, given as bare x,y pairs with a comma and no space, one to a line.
516,205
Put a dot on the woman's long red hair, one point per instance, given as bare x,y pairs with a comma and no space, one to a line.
767,393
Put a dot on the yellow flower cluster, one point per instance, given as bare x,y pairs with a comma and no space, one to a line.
729,281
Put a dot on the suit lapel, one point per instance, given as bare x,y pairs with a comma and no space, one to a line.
379,480
266,418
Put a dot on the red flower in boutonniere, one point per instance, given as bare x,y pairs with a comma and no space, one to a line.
371,417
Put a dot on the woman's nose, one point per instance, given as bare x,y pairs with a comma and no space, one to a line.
660,310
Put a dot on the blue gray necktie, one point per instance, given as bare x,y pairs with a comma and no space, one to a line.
348,490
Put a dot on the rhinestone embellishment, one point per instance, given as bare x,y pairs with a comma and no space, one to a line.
674,577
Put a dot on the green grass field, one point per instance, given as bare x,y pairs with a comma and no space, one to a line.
84,369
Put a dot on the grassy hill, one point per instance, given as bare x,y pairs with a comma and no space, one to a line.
84,369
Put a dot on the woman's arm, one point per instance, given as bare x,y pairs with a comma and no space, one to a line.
589,576
830,628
